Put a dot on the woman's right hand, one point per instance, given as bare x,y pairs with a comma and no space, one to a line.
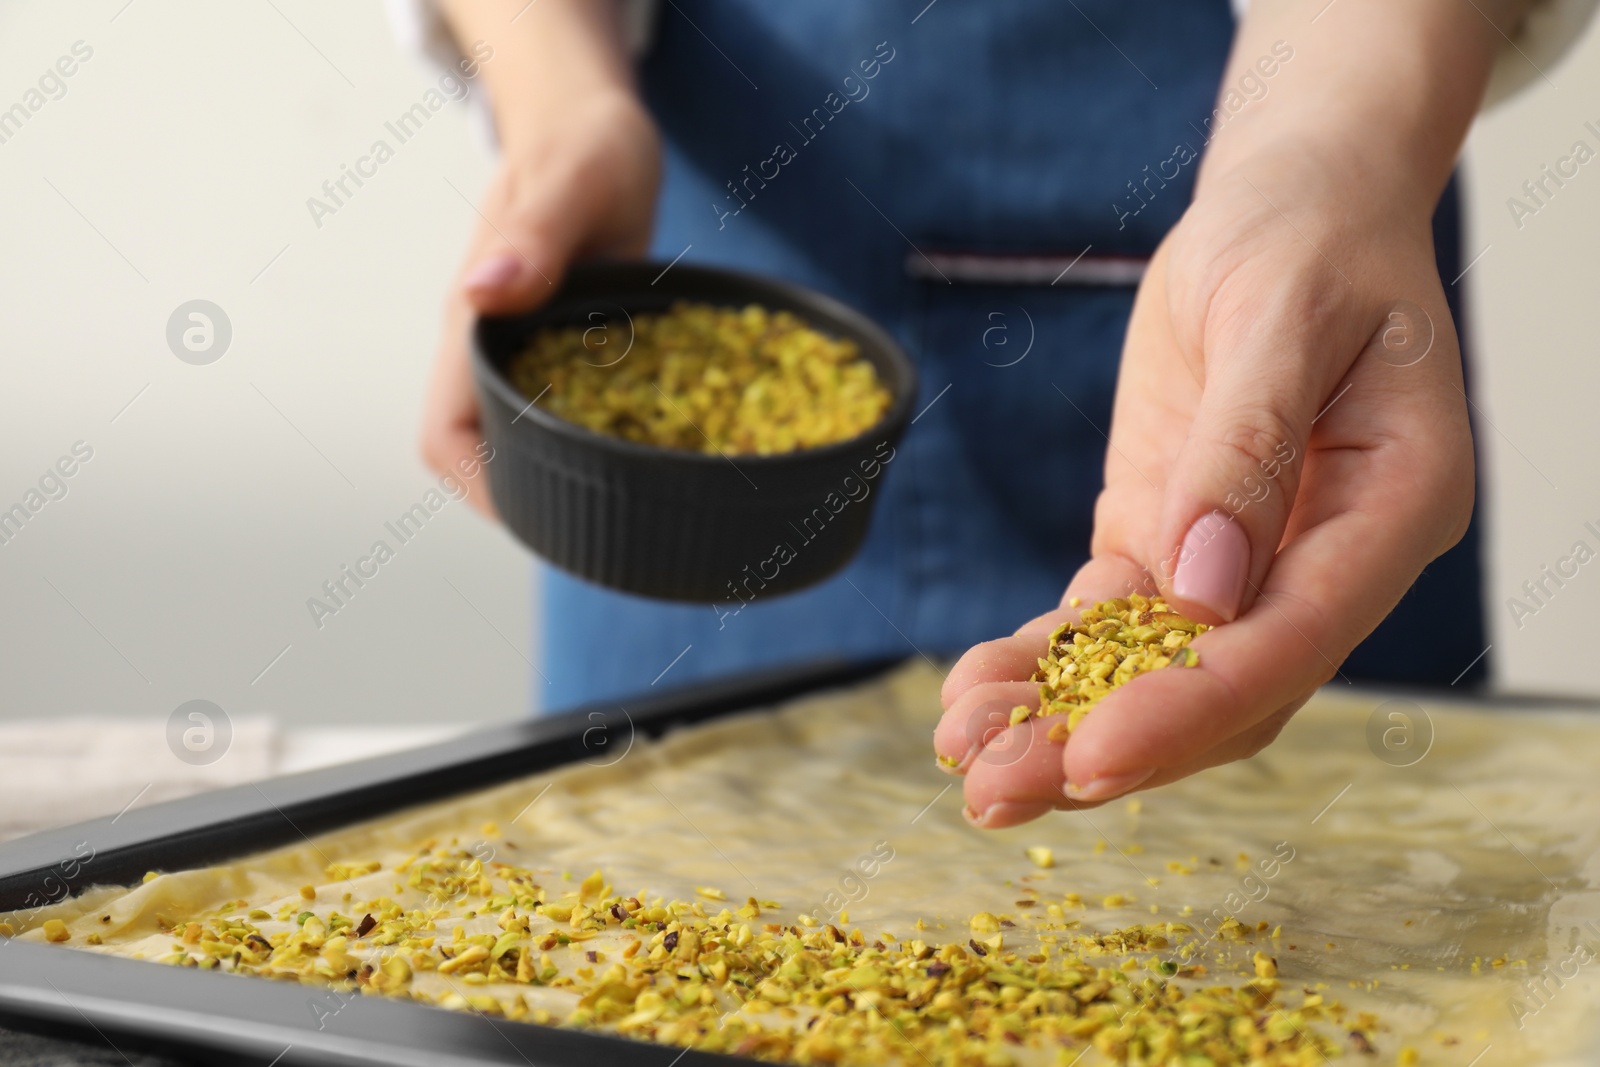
577,180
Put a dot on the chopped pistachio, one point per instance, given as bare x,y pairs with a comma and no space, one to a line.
795,990
705,379
984,922
1111,644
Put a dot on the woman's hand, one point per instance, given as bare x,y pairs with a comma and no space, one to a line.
1289,445
577,179
1289,448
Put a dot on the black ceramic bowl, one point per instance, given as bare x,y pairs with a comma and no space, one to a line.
672,524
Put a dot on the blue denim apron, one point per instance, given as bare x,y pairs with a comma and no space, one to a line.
852,147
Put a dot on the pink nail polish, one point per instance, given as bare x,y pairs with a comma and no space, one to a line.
1107,786
1213,565
493,272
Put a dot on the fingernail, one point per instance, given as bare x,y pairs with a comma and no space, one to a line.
987,722
1107,786
493,272
1003,813
1213,564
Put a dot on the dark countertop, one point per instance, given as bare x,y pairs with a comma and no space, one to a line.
30,1050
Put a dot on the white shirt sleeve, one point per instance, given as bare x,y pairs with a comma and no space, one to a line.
1547,33
420,28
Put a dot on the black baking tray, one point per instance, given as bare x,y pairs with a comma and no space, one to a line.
213,1017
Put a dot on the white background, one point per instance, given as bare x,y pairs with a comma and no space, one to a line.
179,564
190,543
1535,324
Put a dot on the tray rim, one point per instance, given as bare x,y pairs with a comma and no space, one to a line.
86,994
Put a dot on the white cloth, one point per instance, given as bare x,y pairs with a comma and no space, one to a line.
61,771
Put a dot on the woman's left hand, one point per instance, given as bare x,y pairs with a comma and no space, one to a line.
1289,448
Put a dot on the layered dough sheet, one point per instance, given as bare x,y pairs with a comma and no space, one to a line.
1440,878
